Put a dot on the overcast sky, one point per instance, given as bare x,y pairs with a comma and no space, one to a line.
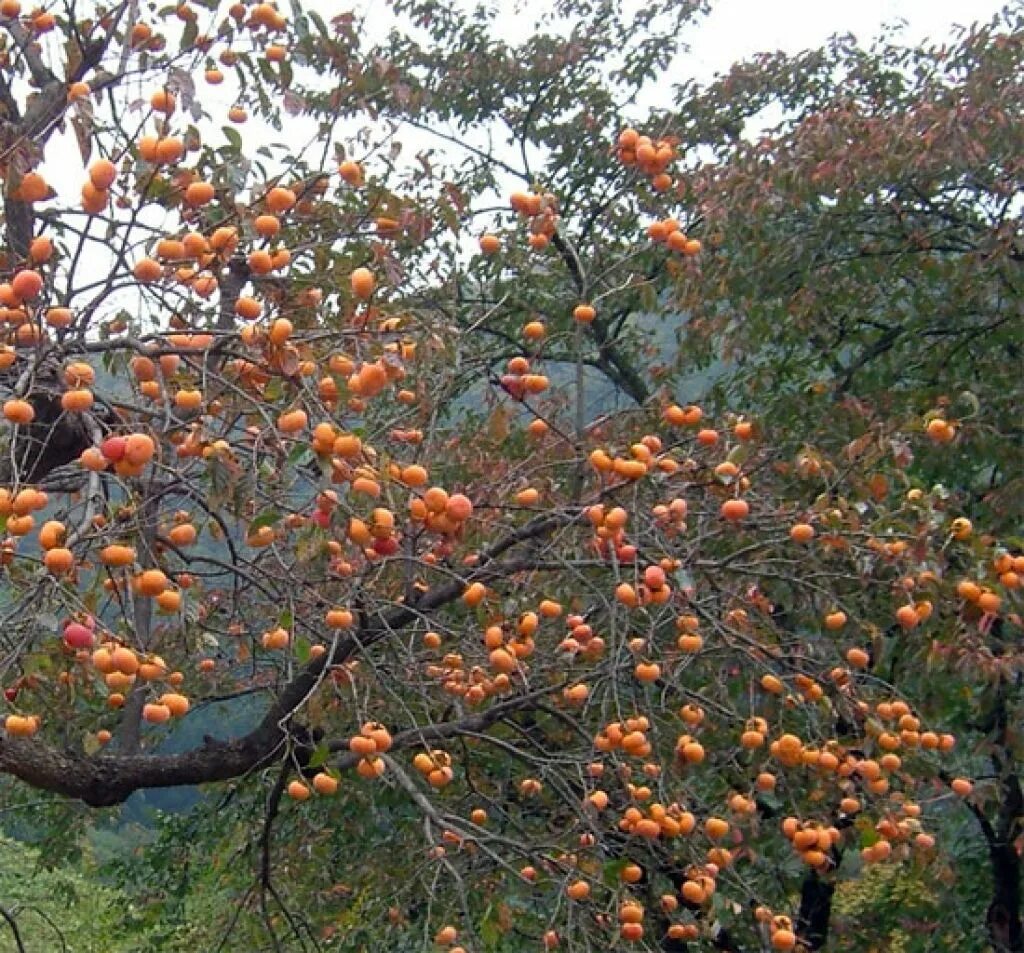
737,28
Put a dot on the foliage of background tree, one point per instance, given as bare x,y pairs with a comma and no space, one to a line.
48,905
355,485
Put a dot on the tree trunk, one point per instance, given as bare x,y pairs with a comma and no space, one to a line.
815,910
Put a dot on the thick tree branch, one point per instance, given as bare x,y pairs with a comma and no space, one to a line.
815,910
109,778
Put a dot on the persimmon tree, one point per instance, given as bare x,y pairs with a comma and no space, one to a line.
883,209
299,426
873,240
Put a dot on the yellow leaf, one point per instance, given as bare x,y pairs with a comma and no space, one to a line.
498,424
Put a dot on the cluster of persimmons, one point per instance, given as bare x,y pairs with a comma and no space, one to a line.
648,489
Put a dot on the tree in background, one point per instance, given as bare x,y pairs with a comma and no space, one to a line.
356,486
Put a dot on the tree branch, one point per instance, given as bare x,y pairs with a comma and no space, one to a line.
109,778
13,924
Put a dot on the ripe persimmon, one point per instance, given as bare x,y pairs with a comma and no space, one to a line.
324,783
21,726
102,174
40,250
33,188
298,791
139,448
351,172
490,244
261,262
907,617
783,939
151,582
363,282
340,618
801,532
735,510
941,431
279,199
267,226
163,101
199,193
276,639
77,401
27,284
147,270
155,713
59,560
578,890
835,620
178,705
19,411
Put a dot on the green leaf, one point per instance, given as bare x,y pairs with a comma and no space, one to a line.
233,138
189,34
318,22
320,755
611,872
266,518
298,19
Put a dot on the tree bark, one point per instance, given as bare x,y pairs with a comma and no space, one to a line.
1003,917
815,912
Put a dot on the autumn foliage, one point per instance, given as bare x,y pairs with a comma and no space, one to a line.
397,461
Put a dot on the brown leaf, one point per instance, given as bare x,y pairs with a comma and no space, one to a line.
455,196
83,126
855,448
505,918
180,82
498,424
879,487
73,51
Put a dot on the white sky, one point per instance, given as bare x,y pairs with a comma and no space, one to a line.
737,28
